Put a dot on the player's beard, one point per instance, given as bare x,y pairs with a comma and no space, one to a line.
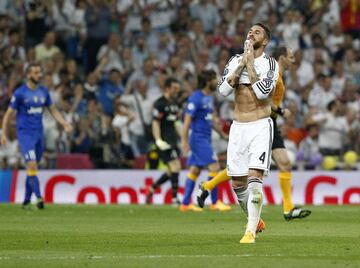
34,81
257,45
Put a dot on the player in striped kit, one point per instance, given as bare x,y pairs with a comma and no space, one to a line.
285,58
252,77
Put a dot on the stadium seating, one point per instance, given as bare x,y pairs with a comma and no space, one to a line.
73,161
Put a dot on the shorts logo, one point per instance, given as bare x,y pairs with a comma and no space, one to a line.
30,155
174,154
191,106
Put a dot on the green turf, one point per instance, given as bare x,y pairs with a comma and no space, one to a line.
161,236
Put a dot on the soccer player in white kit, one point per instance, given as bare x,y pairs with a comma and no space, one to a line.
252,77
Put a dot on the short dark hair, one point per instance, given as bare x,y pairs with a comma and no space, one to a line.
169,81
330,105
279,51
266,30
145,20
13,31
204,77
31,65
114,70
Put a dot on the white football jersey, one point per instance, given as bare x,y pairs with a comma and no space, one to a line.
266,68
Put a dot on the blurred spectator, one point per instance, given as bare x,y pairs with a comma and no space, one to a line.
321,94
161,14
111,51
76,42
140,104
351,96
146,73
99,133
55,93
197,34
333,130
17,51
139,51
47,49
121,148
81,142
37,21
207,12
352,65
164,50
309,148
181,21
98,23
304,70
110,88
290,29
128,64
16,12
352,140
73,73
134,10
338,78
151,37
221,38
61,13
91,87
335,40
10,156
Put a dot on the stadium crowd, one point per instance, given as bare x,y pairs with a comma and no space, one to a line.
105,63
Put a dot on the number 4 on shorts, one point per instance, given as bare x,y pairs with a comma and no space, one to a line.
262,157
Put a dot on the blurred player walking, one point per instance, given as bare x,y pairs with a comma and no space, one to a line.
29,101
199,118
166,113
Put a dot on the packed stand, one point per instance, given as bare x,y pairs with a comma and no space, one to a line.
105,63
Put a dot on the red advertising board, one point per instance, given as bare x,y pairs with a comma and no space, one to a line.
128,186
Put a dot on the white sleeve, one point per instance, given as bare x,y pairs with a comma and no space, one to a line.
267,79
119,121
223,86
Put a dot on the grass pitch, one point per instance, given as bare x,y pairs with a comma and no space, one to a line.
161,236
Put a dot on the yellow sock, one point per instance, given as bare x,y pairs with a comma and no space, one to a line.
211,175
31,172
192,176
285,185
219,178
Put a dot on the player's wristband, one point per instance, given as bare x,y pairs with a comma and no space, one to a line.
225,89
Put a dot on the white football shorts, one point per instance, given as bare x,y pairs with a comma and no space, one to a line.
249,147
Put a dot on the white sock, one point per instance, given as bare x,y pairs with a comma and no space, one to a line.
242,194
254,205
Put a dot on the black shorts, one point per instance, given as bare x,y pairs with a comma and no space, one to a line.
278,141
169,155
